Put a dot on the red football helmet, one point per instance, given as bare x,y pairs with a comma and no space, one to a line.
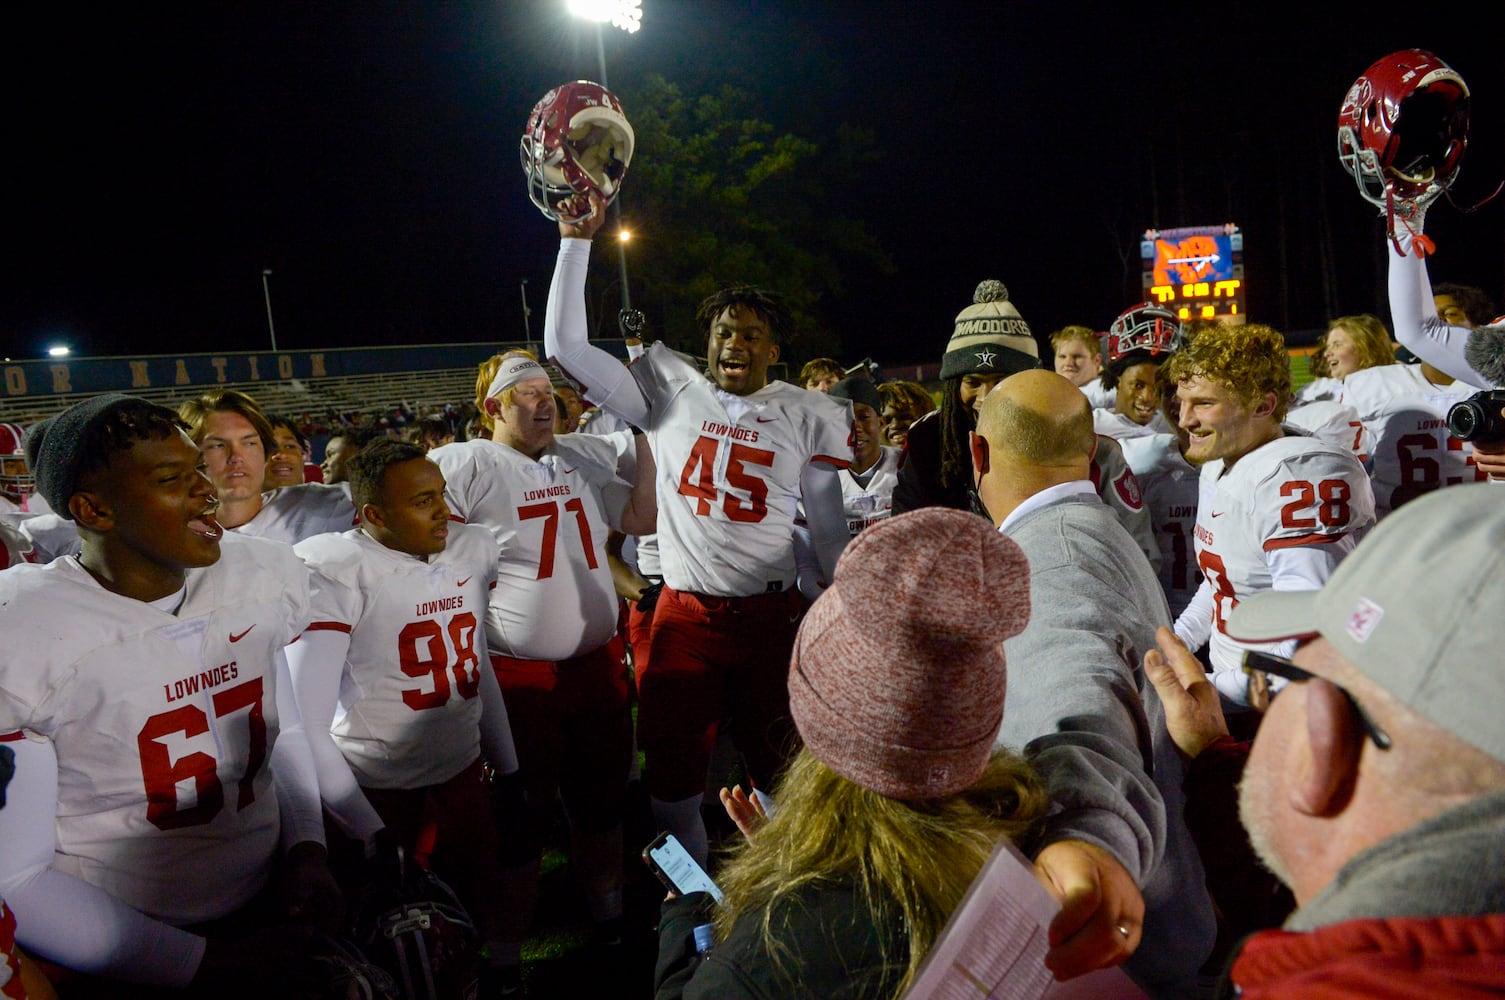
577,141
1403,129
16,479
1145,327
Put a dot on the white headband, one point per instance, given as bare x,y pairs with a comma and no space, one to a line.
513,371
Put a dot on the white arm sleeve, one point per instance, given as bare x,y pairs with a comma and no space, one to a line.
604,380
1413,313
293,767
1194,626
807,573
64,919
316,662
820,489
496,728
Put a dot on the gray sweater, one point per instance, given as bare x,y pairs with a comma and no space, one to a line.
1082,711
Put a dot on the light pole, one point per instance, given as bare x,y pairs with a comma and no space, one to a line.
527,329
627,15
266,291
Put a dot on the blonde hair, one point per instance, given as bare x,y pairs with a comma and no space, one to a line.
1085,334
1371,341
910,862
485,373
1249,361
195,413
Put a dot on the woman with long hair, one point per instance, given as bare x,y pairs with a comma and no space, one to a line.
898,797
990,342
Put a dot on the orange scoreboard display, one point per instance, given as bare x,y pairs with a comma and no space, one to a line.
1198,271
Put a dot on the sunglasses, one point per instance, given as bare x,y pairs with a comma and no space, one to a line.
1258,665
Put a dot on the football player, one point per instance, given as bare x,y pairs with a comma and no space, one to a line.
735,454
1079,359
170,763
1168,483
398,702
287,465
867,485
236,438
550,503
1138,343
1404,410
1276,509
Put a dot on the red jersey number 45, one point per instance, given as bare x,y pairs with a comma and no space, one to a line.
698,480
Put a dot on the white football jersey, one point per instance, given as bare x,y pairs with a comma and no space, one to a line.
163,723
1116,484
1319,389
14,546
729,473
554,596
865,505
409,712
1332,422
1099,397
292,513
1411,452
1169,485
1113,424
1290,492
49,536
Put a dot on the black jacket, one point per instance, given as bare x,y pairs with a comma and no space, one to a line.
829,949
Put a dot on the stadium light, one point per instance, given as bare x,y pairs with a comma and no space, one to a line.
624,235
59,351
624,14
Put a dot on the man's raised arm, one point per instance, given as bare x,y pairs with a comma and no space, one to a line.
604,380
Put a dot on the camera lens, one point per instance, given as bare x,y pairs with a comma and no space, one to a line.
1462,419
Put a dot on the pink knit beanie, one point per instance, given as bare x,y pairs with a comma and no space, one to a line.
897,678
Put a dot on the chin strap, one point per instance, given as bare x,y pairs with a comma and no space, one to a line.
1410,213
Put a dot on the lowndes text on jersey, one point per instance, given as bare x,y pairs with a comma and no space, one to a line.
729,431
202,681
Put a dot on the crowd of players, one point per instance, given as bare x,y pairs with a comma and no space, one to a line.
242,709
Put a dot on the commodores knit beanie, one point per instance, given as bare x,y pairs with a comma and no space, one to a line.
897,678
990,337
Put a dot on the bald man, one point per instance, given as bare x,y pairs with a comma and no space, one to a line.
1118,854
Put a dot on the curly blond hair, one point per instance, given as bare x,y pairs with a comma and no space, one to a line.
1248,360
485,372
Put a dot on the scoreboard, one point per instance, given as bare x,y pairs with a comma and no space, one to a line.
1196,271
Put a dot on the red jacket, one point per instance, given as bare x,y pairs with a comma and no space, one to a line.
1404,958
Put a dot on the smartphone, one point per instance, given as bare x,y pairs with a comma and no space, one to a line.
674,866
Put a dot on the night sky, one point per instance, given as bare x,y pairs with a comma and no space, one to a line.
367,154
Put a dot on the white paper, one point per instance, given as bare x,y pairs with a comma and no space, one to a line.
994,945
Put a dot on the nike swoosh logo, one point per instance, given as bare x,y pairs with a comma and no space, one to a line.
568,471
766,420
237,638
464,581
1216,513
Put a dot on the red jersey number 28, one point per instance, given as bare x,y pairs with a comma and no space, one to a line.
1326,502
698,480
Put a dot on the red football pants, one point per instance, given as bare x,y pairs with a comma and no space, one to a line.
709,659
573,731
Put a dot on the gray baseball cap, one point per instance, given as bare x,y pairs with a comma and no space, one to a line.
1418,608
